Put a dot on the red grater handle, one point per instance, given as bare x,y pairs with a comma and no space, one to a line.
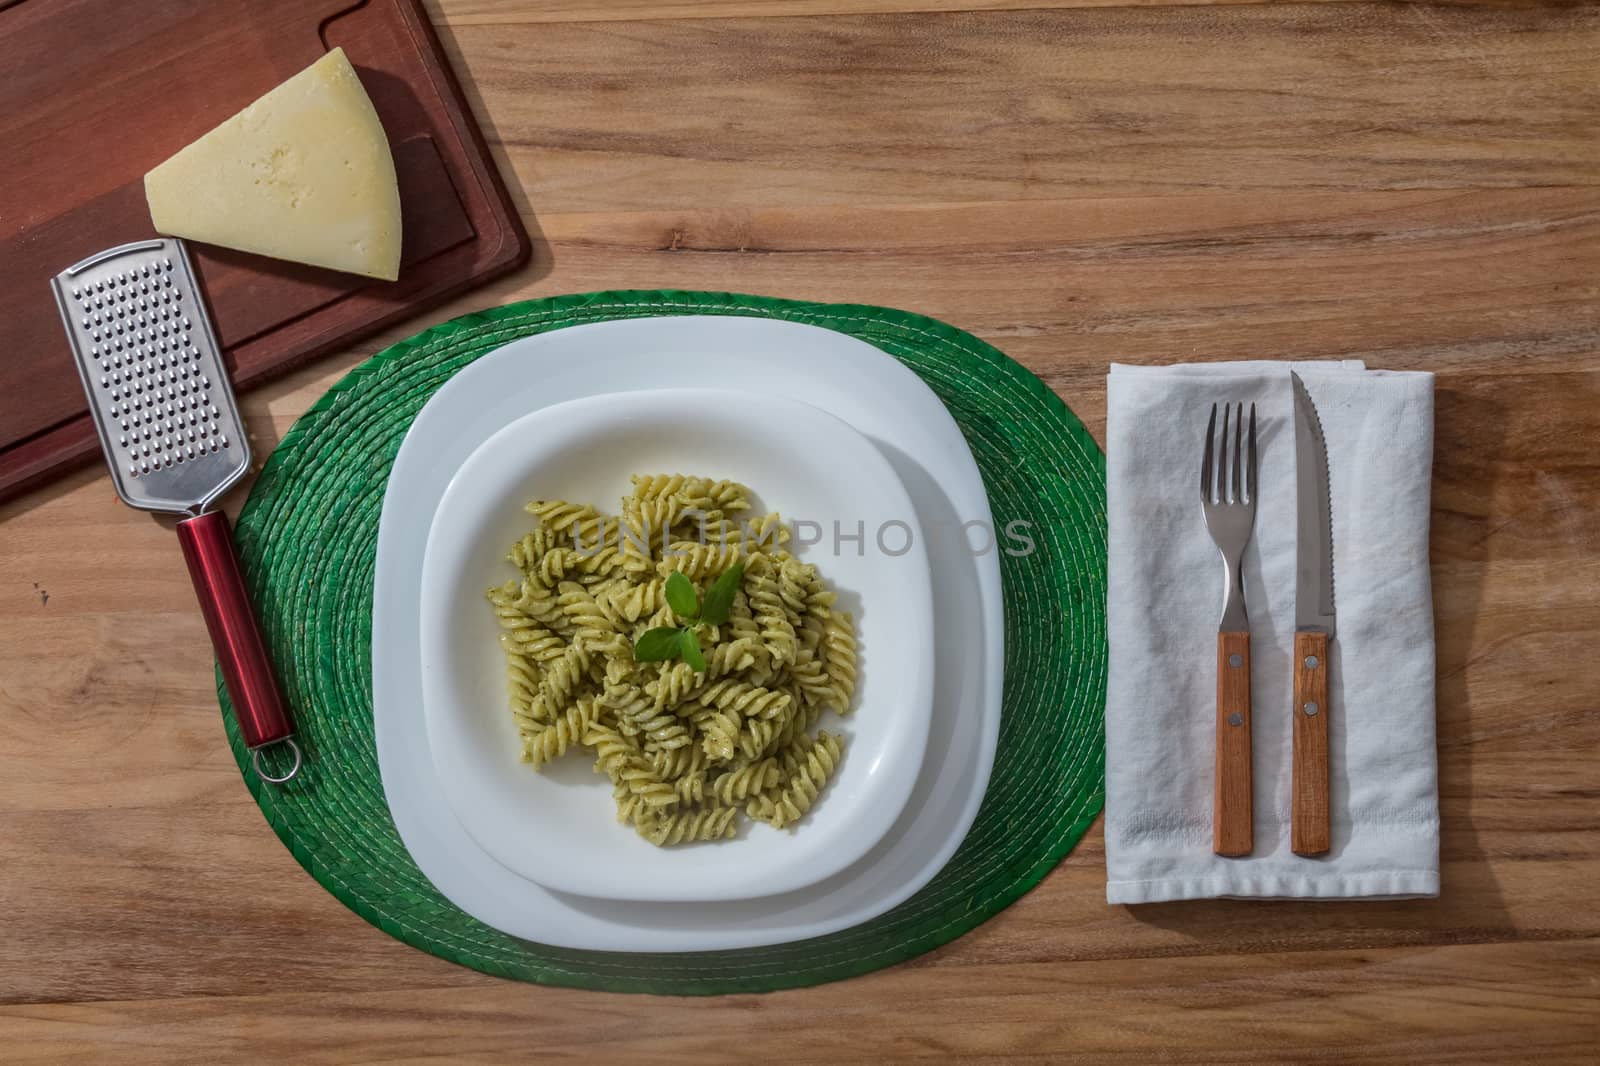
241,652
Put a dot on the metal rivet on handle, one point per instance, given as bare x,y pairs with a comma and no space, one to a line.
1311,662
1236,718
1311,710
1236,660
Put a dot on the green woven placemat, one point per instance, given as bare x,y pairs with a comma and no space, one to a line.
308,537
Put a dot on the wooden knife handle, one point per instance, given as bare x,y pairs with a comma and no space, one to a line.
1232,825
1309,831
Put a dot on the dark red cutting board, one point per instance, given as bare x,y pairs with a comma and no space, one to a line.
93,93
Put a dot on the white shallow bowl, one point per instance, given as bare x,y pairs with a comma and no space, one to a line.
845,376
558,827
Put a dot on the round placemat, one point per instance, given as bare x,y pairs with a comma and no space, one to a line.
308,534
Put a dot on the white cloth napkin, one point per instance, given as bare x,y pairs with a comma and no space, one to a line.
1165,600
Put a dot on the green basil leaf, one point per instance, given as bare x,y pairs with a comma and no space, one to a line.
658,644
719,597
690,650
681,597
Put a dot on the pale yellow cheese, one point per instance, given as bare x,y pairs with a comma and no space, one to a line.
303,174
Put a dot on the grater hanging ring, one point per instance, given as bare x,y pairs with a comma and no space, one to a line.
255,761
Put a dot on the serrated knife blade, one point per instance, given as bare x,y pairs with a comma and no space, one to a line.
1313,598
1310,828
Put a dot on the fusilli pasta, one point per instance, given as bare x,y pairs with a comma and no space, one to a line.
687,751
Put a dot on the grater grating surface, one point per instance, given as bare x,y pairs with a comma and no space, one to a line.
151,368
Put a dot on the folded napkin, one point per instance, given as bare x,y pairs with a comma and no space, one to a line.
1165,600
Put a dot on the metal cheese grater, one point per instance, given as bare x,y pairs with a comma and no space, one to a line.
161,403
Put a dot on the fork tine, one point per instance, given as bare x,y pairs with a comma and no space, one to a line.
1223,487
1250,479
1205,460
1238,451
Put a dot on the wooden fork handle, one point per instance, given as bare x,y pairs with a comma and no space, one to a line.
1309,832
1232,825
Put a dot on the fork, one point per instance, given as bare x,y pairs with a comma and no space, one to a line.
1228,498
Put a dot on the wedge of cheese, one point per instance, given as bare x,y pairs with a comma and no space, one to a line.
303,174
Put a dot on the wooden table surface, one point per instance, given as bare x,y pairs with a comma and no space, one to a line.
1076,182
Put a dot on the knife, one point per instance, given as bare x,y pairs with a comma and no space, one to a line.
1313,629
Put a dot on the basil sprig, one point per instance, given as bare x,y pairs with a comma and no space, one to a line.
683,641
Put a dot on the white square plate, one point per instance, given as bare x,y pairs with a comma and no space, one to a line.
846,377
558,827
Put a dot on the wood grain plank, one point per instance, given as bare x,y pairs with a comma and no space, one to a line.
504,12
1513,1001
223,909
1516,477
1399,279
1035,104
191,899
